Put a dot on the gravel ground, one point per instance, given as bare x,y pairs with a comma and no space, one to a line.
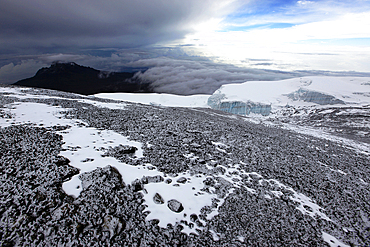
350,122
261,178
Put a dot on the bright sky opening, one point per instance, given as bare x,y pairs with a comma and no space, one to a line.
290,35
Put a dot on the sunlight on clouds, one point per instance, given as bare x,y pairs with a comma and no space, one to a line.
290,48
304,2
212,24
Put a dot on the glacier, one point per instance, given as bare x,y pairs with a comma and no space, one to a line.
238,107
265,97
314,97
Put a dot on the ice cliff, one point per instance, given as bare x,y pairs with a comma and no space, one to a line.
314,97
238,107
263,97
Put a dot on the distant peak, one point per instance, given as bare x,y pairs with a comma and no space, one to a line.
56,63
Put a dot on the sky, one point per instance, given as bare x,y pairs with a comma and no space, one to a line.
188,47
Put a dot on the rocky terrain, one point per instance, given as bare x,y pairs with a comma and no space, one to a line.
84,171
348,122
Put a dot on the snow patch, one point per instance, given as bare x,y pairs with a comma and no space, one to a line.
158,99
82,143
21,93
332,241
189,194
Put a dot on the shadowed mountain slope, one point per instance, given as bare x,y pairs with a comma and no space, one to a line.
71,77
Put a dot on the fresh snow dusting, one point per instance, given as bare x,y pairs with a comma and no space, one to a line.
158,99
85,146
203,192
361,147
306,205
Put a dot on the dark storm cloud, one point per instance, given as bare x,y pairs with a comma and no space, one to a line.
62,26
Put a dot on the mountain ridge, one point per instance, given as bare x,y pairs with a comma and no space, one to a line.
74,78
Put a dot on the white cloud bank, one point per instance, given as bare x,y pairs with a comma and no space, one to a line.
321,35
11,73
187,77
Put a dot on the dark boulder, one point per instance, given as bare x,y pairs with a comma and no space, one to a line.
182,180
158,199
175,206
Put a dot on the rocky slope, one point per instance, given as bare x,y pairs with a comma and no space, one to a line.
85,171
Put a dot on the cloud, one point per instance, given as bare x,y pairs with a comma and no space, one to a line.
65,26
337,29
186,77
169,70
11,72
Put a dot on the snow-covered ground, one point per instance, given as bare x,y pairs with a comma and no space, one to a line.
158,99
85,147
216,162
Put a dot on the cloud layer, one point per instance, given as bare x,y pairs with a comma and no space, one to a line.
293,35
168,70
187,77
46,26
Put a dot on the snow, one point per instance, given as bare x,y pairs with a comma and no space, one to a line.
360,147
241,238
159,99
189,194
215,236
351,90
332,241
306,205
84,146
83,143
80,142
21,93
33,113
306,91
272,92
